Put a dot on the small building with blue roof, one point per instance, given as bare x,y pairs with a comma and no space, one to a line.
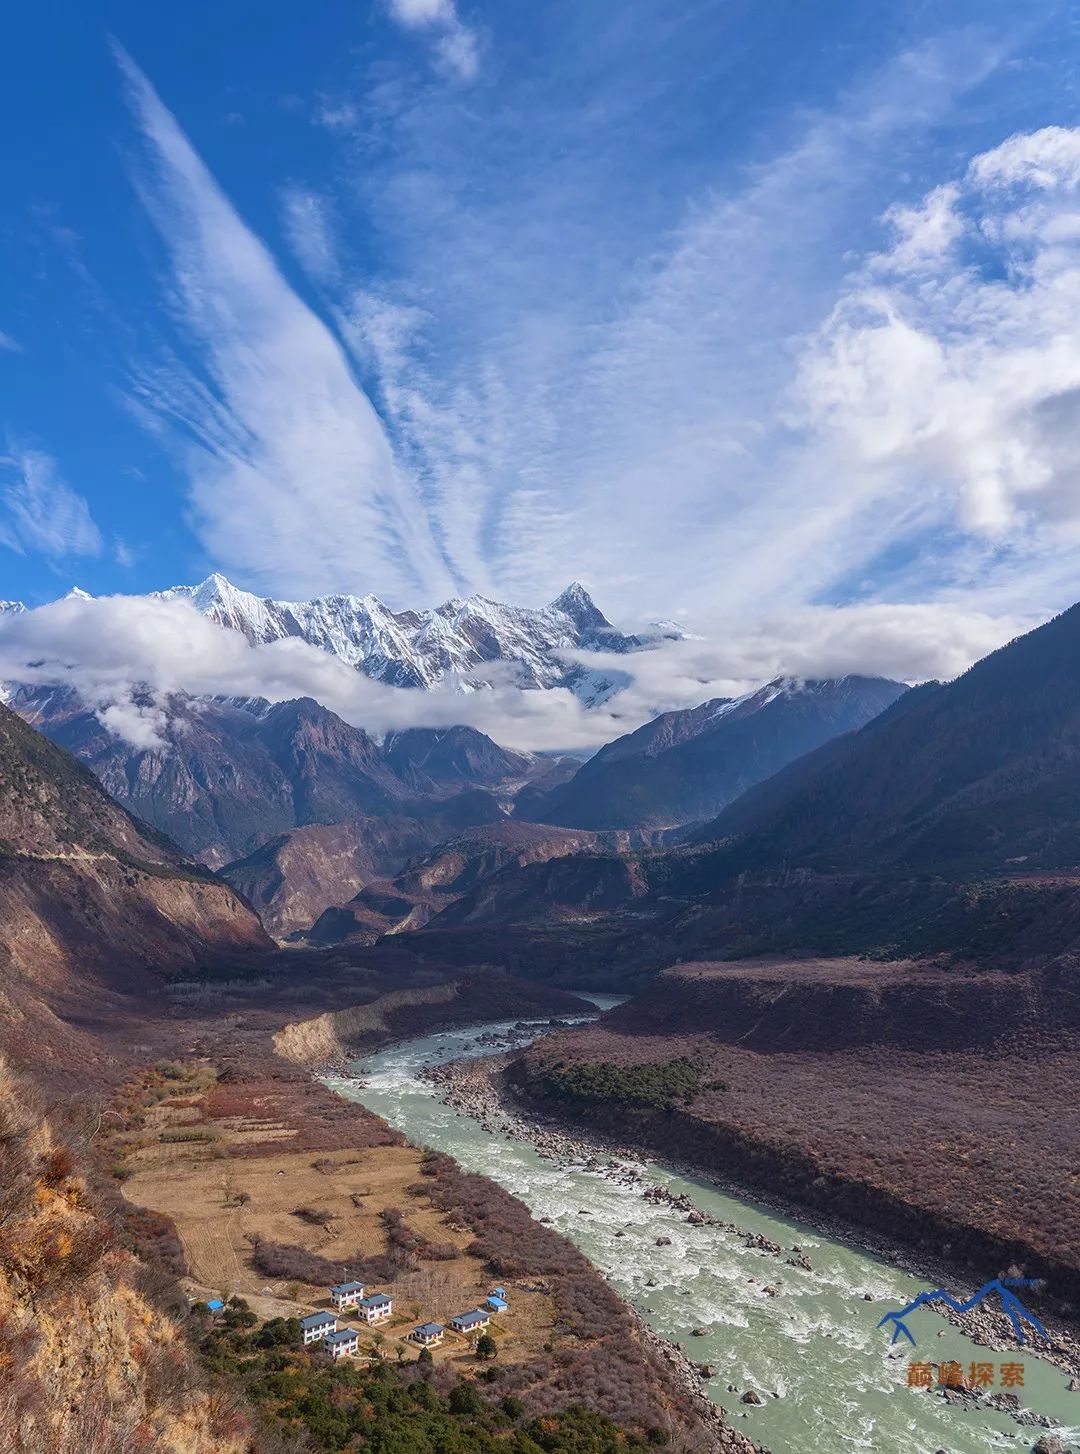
316,1326
471,1322
344,1343
375,1309
428,1335
346,1294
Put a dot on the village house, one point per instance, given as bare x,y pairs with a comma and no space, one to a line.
496,1303
316,1326
346,1294
428,1335
499,1292
375,1309
474,1321
344,1342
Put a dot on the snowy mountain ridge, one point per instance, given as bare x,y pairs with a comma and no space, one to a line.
465,644
458,642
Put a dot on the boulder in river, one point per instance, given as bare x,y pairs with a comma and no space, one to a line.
1048,1444
751,1396
663,1241
699,1332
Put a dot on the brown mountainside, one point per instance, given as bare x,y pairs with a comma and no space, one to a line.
93,905
292,879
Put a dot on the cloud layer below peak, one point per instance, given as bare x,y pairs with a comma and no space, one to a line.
126,655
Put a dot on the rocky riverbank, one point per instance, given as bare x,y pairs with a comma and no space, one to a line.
479,1088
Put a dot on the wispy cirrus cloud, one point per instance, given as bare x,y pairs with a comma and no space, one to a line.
682,393
9,344
39,511
628,424
310,231
456,45
293,481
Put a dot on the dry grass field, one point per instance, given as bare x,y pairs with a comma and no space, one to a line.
228,1182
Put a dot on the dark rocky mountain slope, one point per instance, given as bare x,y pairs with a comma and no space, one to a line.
980,774
949,825
687,765
232,777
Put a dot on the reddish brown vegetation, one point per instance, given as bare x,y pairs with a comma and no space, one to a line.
275,1096
965,1153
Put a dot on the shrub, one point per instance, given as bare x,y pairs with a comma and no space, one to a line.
661,1085
315,1216
290,1263
464,1399
439,1252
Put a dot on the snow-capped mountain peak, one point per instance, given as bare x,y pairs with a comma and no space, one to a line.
459,641
463,643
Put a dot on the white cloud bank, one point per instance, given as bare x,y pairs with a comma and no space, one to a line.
950,366
125,655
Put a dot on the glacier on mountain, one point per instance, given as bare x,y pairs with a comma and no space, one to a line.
461,643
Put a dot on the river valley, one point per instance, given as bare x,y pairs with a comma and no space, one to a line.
810,1347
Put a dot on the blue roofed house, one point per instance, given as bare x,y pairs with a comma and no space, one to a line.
375,1309
344,1343
495,1303
316,1326
473,1321
215,1304
346,1294
499,1292
428,1335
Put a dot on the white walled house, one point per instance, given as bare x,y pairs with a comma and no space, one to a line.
344,1343
375,1309
346,1294
317,1326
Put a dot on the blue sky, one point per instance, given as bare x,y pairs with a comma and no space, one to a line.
712,306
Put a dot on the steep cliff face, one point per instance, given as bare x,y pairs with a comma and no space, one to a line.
822,1005
94,907
88,1363
226,779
